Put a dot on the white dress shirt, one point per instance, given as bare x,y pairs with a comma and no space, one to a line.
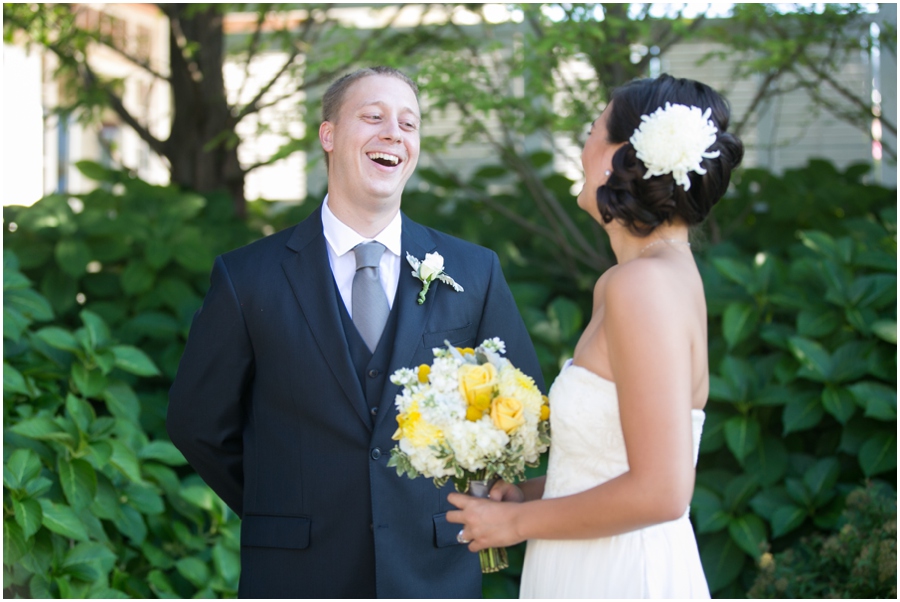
341,240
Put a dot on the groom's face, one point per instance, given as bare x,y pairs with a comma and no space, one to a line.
373,144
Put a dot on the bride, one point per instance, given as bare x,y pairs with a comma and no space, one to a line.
610,518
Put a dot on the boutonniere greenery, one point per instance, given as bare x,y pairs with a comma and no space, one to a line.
429,270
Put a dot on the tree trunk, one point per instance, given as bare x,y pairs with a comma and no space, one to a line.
201,148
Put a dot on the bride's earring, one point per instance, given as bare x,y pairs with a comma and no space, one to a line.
607,173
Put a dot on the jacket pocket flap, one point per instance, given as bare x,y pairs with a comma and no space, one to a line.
456,336
275,531
444,532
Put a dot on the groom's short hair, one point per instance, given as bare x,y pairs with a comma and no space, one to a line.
333,99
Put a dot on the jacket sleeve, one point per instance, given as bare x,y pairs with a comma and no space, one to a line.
207,400
501,318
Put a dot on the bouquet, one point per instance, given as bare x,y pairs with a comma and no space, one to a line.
473,417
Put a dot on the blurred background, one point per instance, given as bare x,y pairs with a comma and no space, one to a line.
141,140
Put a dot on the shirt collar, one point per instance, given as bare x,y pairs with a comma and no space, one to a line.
342,238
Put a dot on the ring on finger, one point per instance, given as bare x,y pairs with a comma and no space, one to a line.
461,539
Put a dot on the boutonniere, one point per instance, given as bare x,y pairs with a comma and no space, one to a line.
430,270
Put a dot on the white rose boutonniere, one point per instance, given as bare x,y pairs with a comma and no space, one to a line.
429,270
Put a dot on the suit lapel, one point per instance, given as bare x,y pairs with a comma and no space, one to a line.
411,317
309,273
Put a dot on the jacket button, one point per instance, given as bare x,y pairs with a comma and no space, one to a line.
374,411
373,373
376,453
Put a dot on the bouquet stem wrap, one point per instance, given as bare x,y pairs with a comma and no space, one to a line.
492,559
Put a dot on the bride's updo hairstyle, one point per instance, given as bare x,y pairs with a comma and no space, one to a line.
643,204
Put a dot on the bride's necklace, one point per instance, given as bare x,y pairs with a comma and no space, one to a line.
671,241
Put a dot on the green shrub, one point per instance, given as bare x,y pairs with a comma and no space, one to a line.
93,507
859,561
803,362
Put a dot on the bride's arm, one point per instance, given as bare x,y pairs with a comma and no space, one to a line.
648,339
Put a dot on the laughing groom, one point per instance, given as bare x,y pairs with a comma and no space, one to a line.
283,402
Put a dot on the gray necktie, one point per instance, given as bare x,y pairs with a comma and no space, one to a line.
369,303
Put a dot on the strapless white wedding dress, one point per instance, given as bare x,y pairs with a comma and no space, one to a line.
587,449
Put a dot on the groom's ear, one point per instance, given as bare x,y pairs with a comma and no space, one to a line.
326,136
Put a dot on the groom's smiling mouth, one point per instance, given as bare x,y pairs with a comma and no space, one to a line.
385,159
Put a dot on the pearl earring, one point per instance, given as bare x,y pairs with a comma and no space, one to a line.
607,173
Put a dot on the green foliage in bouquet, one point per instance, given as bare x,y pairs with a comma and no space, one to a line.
93,506
859,561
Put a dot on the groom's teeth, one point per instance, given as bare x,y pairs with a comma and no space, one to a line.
393,160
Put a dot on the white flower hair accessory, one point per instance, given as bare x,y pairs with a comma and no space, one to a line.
674,139
432,268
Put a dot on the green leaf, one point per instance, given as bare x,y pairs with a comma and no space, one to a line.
81,412
15,544
749,533
878,454
813,357
879,401
798,491
707,511
199,495
886,330
29,303
160,584
144,499
787,518
157,558
89,383
194,570
849,361
722,561
839,402
736,271
28,515
157,253
163,451
768,462
125,460
227,563
98,331
742,435
738,491
61,519
96,171
39,427
131,524
802,413
137,278
14,324
58,338
24,465
817,323
78,480
767,501
821,478
133,360
567,315
738,323
72,256
122,402
13,381
740,376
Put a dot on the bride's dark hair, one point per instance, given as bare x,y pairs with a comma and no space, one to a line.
642,205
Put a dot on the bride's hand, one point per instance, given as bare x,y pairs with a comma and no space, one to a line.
485,523
506,492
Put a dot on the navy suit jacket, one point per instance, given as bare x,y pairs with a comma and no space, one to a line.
268,409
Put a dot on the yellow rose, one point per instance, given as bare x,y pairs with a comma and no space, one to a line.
465,350
477,384
545,407
507,414
424,371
